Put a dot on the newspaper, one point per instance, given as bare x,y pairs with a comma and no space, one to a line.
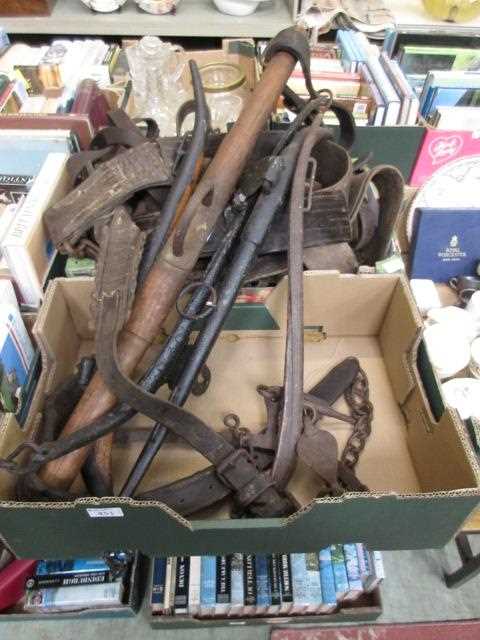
369,16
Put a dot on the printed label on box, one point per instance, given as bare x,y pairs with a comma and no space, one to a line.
111,512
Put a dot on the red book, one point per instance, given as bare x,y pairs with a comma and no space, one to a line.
12,581
90,100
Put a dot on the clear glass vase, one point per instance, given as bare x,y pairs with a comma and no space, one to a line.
156,68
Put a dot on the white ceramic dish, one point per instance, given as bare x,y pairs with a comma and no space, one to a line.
237,7
104,6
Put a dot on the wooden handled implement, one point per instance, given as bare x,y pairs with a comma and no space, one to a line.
167,276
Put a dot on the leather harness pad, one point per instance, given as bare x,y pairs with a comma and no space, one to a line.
109,186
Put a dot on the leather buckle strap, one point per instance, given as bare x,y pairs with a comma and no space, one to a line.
239,472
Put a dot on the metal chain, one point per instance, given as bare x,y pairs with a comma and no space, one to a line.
357,398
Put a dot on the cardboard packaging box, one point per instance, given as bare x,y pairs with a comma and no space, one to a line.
421,470
134,590
366,608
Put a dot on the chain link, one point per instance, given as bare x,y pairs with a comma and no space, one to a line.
357,398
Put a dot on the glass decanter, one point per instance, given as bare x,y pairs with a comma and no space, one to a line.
156,68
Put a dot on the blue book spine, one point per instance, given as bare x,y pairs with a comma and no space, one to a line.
237,594
299,582
327,580
348,56
285,566
74,565
250,584
274,577
355,586
339,571
208,585
263,583
314,589
158,581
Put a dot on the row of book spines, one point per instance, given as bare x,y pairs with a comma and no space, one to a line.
243,585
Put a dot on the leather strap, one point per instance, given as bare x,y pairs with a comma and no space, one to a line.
204,488
390,186
112,184
234,467
292,417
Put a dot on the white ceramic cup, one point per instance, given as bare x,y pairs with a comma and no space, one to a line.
449,352
458,320
475,358
463,394
473,308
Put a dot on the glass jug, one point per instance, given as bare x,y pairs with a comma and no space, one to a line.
156,68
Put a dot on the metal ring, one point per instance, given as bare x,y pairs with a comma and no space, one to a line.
209,305
231,421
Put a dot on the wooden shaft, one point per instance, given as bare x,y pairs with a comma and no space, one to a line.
168,275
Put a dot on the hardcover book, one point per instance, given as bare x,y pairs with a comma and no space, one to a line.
208,584
274,578
299,583
223,583
158,585
327,580
75,598
444,243
236,586
55,580
355,586
27,249
75,565
286,583
314,589
339,571
250,585
263,584
180,602
194,586
16,352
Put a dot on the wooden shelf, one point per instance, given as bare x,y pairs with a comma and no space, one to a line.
193,18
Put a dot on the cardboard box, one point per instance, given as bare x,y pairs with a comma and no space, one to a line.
365,609
422,471
132,600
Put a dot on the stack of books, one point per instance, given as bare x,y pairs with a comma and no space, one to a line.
82,583
395,101
246,585
443,78
48,79
17,354
361,78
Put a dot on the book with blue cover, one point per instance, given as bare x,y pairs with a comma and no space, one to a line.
355,586
445,243
263,584
74,565
208,585
249,585
236,585
327,580
339,571
314,588
299,583
158,584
